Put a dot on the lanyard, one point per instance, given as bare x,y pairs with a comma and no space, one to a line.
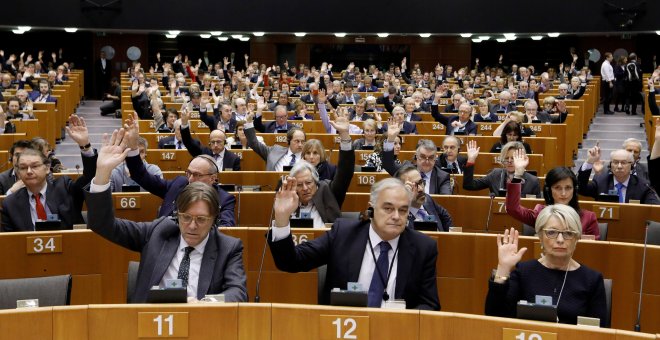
389,271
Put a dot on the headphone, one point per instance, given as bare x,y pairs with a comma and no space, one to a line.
547,190
370,212
291,132
210,160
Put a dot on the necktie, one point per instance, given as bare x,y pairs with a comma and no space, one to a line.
456,168
293,160
379,279
178,145
41,211
619,191
421,214
184,267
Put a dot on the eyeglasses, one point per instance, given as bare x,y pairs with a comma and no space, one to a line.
196,175
554,233
507,160
24,168
420,183
214,142
622,163
303,185
425,158
200,220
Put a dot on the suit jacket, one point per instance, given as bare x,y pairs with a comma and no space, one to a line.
442,218
213,120
221,270
169,191
440,180
638,189
270,154
342,99
507,109
7,179
167,140
654,172
35,94
271,127
342,249
230,161
64,197
492,118
442,162
408,128
385,99
330,194
326,170
496,180
641,171
470,127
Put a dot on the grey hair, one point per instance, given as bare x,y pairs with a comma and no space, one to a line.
632,140
427,145
563,86
564,213
143,142
631,157
303,165
388,183
510,146
530,103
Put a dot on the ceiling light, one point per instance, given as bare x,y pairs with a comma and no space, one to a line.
537,37
300,34
340,35
501,39
553,35
237,36
223,38
476,40
171,36
466,35
258,34
657,32
174,32
509,36
205,36
425,35
216,33
24,28
18,31
244,38
512,38
70,29
484,37
385,35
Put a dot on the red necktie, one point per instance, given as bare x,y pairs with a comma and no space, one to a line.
41,211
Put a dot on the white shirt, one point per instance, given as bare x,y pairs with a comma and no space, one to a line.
196,255
368,264
286,160
313,214
220,160
606,71
103,63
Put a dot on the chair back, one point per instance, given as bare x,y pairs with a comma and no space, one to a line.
50,290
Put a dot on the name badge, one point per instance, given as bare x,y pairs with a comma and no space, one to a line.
52,217
304,214
354,287
429,218
173,283
543,300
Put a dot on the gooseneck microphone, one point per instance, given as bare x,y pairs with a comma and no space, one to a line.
490,211
638,327
257,297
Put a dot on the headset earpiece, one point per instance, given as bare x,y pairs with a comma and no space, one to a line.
370,212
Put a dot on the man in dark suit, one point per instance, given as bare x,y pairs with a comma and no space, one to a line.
224,159
460,124
43,95
437,182
618,180
422,206
505,105
276,156
450,160
9,177
398,114
322,199
495,181
387,259
408,108
391,97
201,169
42,199
103,72
175,140
455,103
222,115
279,124
348,97
188,247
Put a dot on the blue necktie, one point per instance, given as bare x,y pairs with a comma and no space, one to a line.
293,160
421,214
377,287
619,191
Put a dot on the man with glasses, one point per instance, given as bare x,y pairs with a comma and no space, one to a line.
202,168
36,198
617,181
456,125
455,103
450,160
422,205
187,247
222,117
279,124
224,159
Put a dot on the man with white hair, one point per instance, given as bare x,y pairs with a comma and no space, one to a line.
634,146
616,182
505,105
524,92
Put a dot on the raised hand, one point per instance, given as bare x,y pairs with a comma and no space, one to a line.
393,129
657,130
561,106
131,131
77,130
261,104
472,151
321,97
286,202
113,151
520,161
508,254
341,124
599,165
593,154
185,116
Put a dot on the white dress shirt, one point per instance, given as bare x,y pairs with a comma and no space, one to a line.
606,71
368,264
310,208
286,160
196,255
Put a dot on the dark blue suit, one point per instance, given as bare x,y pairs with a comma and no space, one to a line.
169,191
35,94
271,127
342,249
230,161
442,218
470,127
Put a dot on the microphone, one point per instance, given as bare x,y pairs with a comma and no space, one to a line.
490,211
638,327
239,188
452,182
257,297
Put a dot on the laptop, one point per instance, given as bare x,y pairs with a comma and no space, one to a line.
425,225
130,188
302,223
170,295
367,147
608,198
349,298
50,225
365,168
532,311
